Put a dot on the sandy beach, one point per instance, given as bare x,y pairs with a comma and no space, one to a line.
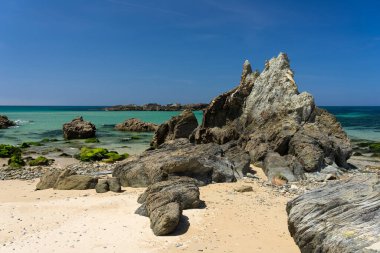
84,221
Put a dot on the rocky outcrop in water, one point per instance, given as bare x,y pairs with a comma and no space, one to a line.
157,107
163,203
267,114
136,125
5,122
205,162
342,216
79,129
180,126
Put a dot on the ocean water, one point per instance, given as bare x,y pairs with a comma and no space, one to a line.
36,123
360,122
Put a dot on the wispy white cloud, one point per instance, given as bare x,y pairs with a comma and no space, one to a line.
146,7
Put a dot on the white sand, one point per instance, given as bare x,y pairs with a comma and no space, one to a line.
83,221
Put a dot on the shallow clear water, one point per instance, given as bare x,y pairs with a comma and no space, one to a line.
360,122
37,123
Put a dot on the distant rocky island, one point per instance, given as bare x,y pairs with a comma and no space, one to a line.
157,107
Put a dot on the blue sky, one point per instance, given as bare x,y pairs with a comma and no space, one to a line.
105,52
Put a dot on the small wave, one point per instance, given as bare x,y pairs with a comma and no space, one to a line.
20,122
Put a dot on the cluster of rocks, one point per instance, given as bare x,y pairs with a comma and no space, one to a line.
5,122
277,125
136,125
79,129
157,107
264,120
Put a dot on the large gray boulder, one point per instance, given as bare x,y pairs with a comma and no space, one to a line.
48,180
163,203
343,216
79,129
76,182
66,180
136,125
205,162
180,126
5,122
267,114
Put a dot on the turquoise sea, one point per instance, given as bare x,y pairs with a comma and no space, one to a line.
38,122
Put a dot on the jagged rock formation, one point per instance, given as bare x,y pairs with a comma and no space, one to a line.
267,114
339,217
136,125
78,129
205,162
5,122
220,122
163,203
180,126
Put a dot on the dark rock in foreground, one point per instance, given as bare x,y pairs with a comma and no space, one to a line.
339,217
163,203
205,162
267,114
5,122
136,125
79,129
180,126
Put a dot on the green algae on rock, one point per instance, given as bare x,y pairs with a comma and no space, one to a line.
16,161
40,161
92,140
99,154
6,151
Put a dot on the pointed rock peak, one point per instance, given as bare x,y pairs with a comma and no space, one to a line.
280,62
247,69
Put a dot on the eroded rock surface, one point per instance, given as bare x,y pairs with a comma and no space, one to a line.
342,216
163,203
267,114
79,129
220,122
66,180
205,162
136,125
180,126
